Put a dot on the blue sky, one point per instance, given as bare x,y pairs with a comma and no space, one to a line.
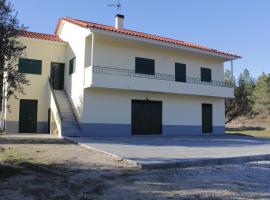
236,26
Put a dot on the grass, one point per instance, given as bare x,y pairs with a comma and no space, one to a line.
13,156
255,133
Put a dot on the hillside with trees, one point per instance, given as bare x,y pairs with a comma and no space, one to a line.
250,109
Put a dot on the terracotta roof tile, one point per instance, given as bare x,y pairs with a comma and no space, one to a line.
86,24
41,36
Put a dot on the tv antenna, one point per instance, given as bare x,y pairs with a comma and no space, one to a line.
117,5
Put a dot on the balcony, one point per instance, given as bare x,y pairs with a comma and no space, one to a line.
109,77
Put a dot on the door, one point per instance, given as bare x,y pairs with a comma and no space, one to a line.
207,118
57,76
180,72
28,116
146,117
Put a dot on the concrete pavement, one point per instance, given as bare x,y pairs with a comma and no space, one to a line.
161,152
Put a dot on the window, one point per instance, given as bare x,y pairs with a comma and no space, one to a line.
206,75
180,72
30,66
72,65
144,66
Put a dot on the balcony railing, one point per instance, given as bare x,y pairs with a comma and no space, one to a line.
157,76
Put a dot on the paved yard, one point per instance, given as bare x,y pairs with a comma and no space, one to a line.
37,167
157,151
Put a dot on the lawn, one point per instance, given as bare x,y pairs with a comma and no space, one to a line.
255,133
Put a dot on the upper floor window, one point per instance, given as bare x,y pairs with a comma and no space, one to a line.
144,66
30,66
180,72
72,65
206,75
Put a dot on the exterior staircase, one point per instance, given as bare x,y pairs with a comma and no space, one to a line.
70,125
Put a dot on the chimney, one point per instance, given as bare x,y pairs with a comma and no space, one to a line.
119,21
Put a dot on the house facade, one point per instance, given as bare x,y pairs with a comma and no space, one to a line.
90,79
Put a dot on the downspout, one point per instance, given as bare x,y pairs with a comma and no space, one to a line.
232,77
92,49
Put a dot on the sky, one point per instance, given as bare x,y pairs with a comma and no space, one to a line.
235,26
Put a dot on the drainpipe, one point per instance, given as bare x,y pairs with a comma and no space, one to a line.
232,77
92,49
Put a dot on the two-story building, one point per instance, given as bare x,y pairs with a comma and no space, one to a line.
110,81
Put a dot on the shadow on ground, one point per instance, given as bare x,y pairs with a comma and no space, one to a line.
39,181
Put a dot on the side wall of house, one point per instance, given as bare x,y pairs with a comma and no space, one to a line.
76,38
47,52
108,112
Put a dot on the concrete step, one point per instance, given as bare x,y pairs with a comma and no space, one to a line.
70,125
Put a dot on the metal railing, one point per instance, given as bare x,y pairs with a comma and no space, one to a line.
55,100
157,76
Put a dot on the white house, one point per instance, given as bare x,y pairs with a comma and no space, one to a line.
110,81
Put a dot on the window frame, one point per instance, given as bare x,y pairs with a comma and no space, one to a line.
25,71
178,78
139,69
208,77
72,69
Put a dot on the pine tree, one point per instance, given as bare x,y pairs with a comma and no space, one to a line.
243,93
261,95
242,104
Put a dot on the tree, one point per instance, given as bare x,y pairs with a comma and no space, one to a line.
11,49
261,95
242,104
230,108
244,91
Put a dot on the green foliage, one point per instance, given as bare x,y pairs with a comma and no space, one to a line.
261,95
251,97
10,50
243,93
242,104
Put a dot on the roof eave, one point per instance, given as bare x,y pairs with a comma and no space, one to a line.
62,43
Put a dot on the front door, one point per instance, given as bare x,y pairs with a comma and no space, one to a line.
28,116
207,118
146,117
57,75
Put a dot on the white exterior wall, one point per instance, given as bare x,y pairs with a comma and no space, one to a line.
111,110
121,54
38,89
76,38
102,103
107,98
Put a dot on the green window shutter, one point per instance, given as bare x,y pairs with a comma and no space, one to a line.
180,72
206,75
30,66
72,65
144,66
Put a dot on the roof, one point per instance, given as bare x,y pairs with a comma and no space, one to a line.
86,24
41,36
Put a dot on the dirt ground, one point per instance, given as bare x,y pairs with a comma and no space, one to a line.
259,122
50,168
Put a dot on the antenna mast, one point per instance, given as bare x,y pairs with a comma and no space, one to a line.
117,5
